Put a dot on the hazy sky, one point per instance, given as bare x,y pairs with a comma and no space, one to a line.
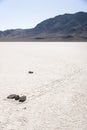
28,13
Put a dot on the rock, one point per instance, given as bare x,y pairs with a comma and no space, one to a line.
12,96
17,97
30,72
22,98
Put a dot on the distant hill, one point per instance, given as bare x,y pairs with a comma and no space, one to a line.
67,27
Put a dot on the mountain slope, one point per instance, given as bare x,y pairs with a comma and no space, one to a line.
67,27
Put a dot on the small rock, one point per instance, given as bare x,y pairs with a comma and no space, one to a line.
12,96
30,72
17,97
22,98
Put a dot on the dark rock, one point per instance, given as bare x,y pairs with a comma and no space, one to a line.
30,72
22,98
17,97
12,96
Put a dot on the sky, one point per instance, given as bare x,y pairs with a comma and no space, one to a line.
28,13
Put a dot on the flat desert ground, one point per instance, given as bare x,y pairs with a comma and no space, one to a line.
56,91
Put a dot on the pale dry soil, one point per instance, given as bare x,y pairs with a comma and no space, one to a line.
56,91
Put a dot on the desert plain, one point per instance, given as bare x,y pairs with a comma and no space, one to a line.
56,91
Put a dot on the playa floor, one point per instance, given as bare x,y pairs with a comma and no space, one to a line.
56,91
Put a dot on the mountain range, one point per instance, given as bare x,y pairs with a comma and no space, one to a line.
67,27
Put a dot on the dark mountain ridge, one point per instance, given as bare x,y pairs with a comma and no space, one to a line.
67,27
